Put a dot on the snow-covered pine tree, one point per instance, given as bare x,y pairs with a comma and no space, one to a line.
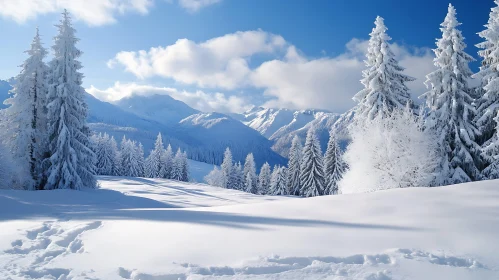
177,166
72,162
126,151
154,162
105,155
488,101
334,166
184,164
227,170
450,103
166,162
383,80
139,152
312,167
115,154
278,184
295,154
237,171
214,178
26,125
491,151
250,178
264,179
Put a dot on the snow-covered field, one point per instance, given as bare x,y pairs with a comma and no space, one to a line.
136,228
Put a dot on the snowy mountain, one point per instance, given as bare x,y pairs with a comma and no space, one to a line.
219,131
281,125
203,136
159,107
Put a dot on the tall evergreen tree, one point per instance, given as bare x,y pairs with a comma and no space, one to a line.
450,103
139,151
264,179
154,162
295,154
383,80
167,162
334,166
250,178
184,163
177,166
312,167
488,101
237,171
278,182
115,154
72,161
106,154
227,170
492,152
26,125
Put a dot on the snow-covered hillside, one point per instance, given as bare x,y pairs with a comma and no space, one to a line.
136,228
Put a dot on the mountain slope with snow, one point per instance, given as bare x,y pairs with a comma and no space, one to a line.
160,108
137,228
141,118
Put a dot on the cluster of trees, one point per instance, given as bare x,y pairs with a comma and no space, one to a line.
128,159
45,124
452,138
309,172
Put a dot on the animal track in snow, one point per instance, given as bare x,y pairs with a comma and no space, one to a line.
43,244
367,267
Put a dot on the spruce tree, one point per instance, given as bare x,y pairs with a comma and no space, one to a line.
154,162
264,179
26,125
72,162
334,166
237,175
491,151
383,80
295,154
184,163
115,155
167,162
139,154
227,170
177,166
278,182
312,167
488,101
450,104
250,178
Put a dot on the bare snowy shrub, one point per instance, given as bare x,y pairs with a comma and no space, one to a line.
392,152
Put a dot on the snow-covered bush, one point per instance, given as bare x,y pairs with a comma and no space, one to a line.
215,177
388,153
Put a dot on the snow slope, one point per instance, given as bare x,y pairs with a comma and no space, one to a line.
135,228
160,108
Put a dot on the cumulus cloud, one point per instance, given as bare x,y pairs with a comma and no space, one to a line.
200,100
330,83
93,12
287,77
222,62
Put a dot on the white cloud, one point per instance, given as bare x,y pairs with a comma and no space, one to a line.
222,62
200,100
93,12
287,77
196,5
330,83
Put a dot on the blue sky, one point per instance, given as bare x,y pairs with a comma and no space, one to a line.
236,53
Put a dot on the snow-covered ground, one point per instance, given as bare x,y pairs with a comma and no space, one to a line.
136,228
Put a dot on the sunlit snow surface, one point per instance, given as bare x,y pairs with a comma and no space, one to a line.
137,228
